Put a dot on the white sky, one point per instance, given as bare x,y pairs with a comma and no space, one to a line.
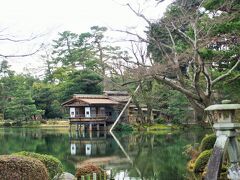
25,17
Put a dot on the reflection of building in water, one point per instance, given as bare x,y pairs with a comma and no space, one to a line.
100,148
95,143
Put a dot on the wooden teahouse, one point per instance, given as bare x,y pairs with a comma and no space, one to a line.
95,110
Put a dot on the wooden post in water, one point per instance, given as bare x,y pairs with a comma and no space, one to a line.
226,131
105,126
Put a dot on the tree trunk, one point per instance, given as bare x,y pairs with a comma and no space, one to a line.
149,114
198,110
140,115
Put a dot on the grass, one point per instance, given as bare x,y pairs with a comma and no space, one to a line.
32,124
156,127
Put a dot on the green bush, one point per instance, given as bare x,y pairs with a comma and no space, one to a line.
43,121
160,120
202,161
88,170
53,165
17,123
7,124
34,123
124,127
208,142
19,168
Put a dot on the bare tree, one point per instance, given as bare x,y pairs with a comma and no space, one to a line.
176,45
11,39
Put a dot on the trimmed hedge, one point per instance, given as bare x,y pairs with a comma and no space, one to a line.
88,169
53,165
19,168
202,161
208,142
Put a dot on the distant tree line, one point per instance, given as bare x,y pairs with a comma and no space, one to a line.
188,60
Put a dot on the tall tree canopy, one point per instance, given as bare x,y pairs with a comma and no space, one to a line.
193,48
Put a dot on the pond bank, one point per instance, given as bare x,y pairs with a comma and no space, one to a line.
52,123
32,124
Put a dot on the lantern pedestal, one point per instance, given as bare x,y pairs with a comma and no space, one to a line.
226,132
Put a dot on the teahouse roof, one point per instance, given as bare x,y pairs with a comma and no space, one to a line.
89,96
120,99
119,96
116,93
92,99
99,101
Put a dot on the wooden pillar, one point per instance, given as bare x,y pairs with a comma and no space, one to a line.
90,134
80,128
98,128
70,127
105,134
78,135
77,127
83,132
90,127
70,130
105,126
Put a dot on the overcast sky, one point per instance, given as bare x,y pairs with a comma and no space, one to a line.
25,17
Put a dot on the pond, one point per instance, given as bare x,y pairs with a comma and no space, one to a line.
125,155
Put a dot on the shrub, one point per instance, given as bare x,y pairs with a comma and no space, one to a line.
160,120
124,127
88,169
53,165
18,168
17,123
7,124
202,161
34,123
208,142
190,151
43,121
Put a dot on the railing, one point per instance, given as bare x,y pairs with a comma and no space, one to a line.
98,117
91,116
94,176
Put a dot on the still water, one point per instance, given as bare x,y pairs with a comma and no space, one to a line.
125,155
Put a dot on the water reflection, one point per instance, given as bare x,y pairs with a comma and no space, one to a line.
132,155
89,144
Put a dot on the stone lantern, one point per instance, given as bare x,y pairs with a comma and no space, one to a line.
226,131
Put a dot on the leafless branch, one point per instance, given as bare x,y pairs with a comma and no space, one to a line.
22,55
226,74
139,15
234,79
176,86
131,82
133,34
18,40
183,34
